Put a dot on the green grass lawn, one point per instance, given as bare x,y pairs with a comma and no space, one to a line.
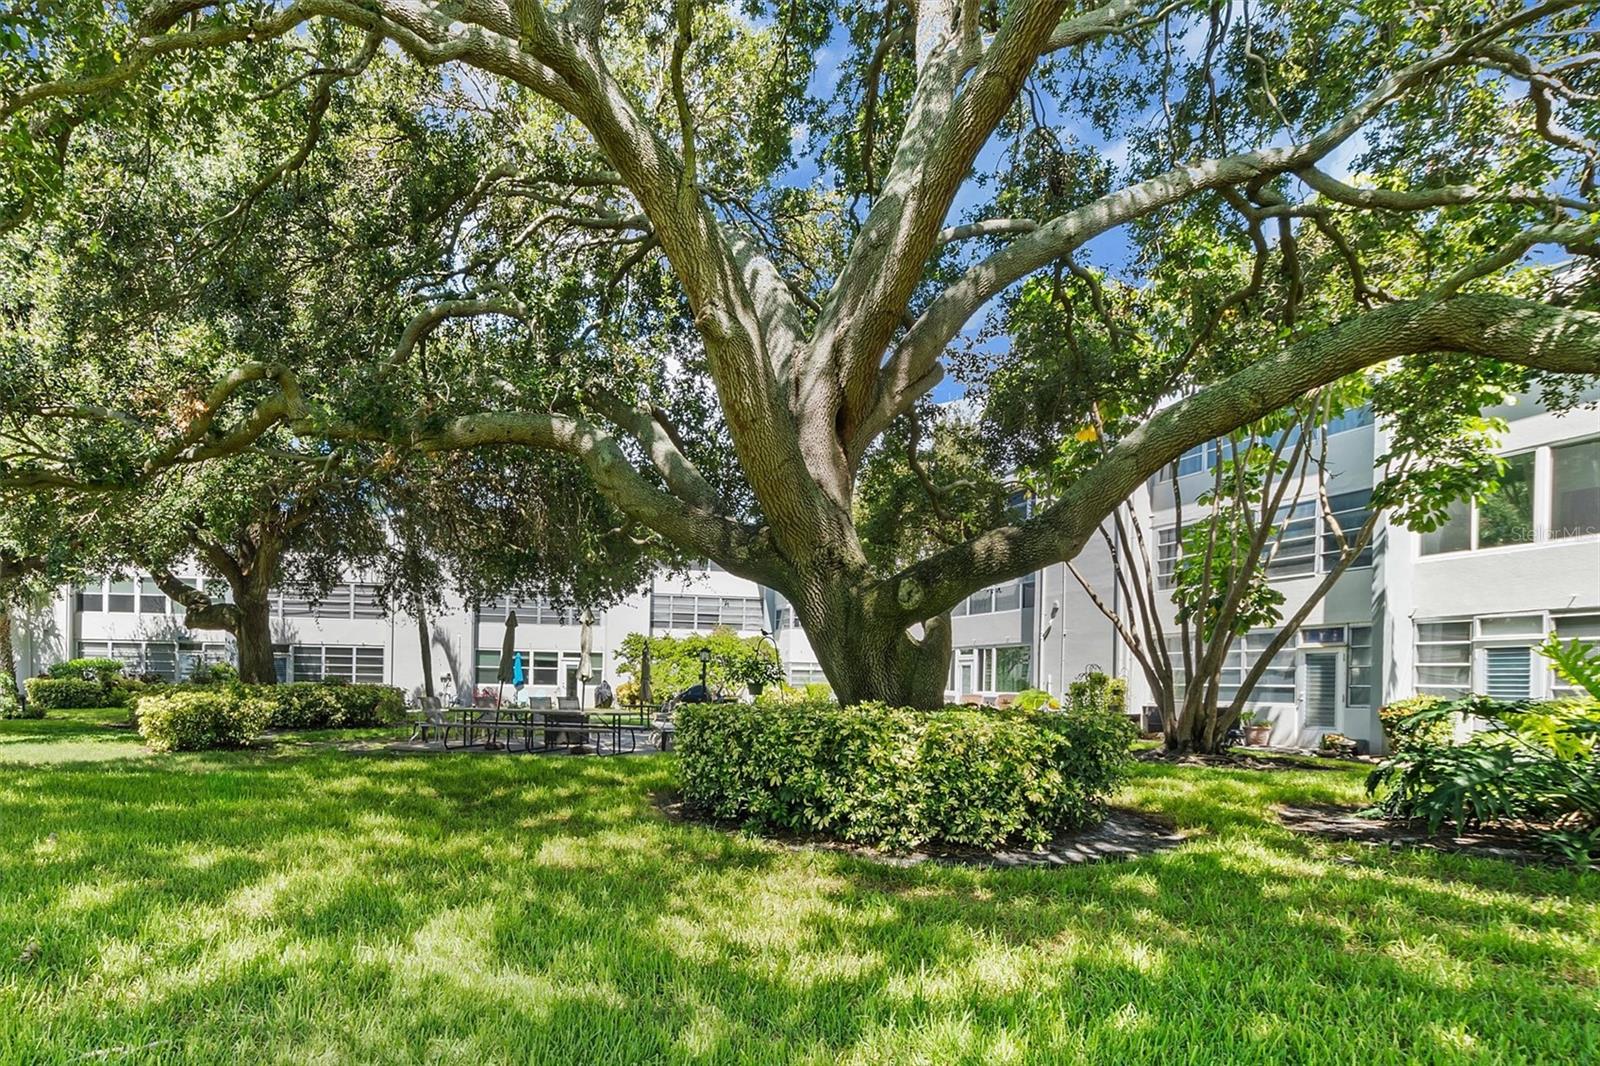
307,904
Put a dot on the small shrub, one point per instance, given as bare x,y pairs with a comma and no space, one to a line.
13,707
1534,761
102,670
1035,699
214,674
199,719
900,778
1405,725
62,693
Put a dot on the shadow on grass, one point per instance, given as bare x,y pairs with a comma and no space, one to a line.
319,905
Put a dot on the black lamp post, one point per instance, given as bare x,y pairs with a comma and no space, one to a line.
705,665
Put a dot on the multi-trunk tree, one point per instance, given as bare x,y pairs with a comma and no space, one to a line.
607,193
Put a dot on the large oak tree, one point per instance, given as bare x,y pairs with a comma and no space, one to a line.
594,208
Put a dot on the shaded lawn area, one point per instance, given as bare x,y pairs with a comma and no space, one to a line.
306,904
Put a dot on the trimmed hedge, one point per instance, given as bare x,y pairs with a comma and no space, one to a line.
304,704
317,705
901,778
197,719
103,670
61,693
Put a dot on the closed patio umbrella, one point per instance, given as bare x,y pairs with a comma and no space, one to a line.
585,653
508,657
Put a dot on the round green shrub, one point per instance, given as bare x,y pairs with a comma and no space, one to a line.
901,778
198,719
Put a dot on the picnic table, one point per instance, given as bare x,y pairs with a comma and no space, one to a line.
534,727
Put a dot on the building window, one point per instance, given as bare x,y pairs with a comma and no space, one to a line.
1166,555
1569,628
1502,515
298,603
92,597
1011,669
488,666
335,604
1354,418
1351,510
1444,659
151,598
367,602
318,662
1575,494
1276,684
121,598
168,660
1454,534
1508,673
1358,667
1505,512
1006,668
1296,545
806,674
1008,596
702,613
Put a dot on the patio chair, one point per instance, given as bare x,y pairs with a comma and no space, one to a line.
429,717
664,728
569,723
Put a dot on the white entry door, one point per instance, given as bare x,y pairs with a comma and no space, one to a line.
1320,691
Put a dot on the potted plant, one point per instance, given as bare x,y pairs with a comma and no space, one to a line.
1256,734
756,671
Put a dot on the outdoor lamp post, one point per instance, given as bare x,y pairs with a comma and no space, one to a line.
705,665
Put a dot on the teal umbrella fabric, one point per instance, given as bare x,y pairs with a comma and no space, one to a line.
517,676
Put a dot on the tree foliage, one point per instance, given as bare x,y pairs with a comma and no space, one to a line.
702,269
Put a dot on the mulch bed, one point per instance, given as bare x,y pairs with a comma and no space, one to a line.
1236,761
1124,834
1514,843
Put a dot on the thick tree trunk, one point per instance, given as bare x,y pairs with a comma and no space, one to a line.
867,657
254,638
8,656
1197,731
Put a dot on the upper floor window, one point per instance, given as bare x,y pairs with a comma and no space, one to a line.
1512,511
1205,456
1502,514
1307,543
707,612
1007,596
539,611
1575,492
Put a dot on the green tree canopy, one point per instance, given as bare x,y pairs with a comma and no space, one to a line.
708,262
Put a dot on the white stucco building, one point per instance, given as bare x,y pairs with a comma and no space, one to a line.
1447,612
